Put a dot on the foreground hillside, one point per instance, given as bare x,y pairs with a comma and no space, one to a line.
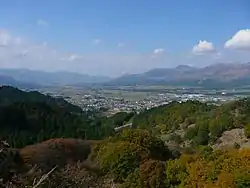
177,145
131,159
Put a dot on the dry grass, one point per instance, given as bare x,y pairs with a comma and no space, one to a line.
42,179
57,152
58,163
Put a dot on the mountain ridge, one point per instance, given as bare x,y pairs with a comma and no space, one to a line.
51,78
216,75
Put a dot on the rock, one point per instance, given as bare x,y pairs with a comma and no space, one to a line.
228,139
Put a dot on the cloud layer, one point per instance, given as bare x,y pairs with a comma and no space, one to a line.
18,52
159,51
240,41
203,47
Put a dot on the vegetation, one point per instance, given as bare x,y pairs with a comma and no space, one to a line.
247,130
70,149
120,163
201,122
28,118
10,95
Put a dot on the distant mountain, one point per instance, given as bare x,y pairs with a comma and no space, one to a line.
7,80
214,76
51,78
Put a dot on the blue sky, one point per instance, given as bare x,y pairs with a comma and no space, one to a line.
112,37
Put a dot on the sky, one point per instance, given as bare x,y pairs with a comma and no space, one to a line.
111,37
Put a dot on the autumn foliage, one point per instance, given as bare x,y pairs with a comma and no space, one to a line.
56,152
221,169
129,157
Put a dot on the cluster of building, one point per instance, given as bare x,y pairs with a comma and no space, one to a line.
103,102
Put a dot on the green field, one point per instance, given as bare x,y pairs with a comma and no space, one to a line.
127,95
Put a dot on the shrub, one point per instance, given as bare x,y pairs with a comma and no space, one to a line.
247,130
121,158
242,179
11,163
236,145
133,180
202,136
176,138
152,174
143,138
191,133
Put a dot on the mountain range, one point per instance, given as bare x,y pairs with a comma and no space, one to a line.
213,76
221,75
35,78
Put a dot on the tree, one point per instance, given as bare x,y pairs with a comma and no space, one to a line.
247,130
191,133
202,136
120,158
152,174
155,146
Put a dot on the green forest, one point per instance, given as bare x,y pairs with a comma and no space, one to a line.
208,121
30,117
48,142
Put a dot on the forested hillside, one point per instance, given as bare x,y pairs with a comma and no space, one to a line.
200,122
9,95
131,159
31,117
171,146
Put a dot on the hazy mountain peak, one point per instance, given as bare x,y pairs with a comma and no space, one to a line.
183,67
232,74
51,78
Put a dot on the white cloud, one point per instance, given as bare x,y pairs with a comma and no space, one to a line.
120,45
5,38
18,41
158,51
217,55
203,47
42,22
74,57
23,53
96,41
71,57
241,40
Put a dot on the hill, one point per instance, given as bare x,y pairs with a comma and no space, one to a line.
10,95
134,158
51,78
7,80
214,76
28,123
31,117
175,145
194,122
59,152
